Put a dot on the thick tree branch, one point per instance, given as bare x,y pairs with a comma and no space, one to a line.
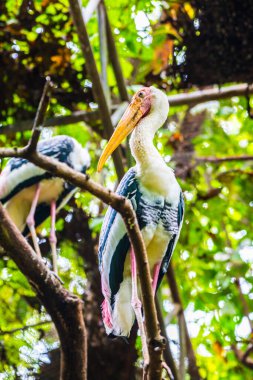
124,207
214,93
65,309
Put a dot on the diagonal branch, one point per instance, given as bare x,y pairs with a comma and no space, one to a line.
124,207
115,60
65,309
40,115
97,87
244,303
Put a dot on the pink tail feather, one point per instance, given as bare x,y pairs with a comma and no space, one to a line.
106,314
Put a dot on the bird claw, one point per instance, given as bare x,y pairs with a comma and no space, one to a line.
46,262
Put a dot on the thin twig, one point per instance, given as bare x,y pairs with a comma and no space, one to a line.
182,339
13,331
167,352
192,367
244,303
217,160
243,357
40,115
245,306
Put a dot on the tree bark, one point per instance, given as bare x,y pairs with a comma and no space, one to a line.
65,309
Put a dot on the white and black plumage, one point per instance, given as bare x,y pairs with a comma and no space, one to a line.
21,181
156,197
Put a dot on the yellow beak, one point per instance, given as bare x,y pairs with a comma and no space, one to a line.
125,126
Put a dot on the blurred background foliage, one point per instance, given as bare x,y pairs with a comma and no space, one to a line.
174,45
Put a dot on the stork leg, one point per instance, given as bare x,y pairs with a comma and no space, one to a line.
136,304
52,237
30,220
156,275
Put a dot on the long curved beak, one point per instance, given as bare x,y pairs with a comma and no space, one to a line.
125,126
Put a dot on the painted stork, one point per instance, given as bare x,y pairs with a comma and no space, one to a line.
30,194
157,199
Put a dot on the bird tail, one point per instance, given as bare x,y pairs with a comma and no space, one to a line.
107,316
119,317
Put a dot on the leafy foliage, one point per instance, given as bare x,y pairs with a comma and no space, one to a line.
214,253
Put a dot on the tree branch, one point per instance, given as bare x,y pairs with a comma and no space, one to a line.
103,51
167,352
193,369
245,306
13,331
188,98
65,309
182,340
115,60
217,160
215,93
124,207
89,9
75,117
97,87
243,357
39,118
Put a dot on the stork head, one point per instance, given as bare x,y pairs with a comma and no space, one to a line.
147,103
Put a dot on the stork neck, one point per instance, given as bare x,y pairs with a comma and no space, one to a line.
142,148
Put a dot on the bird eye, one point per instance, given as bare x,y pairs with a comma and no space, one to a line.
141,94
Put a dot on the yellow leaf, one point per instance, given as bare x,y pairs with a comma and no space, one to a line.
189,10
218,349
162,55
169,29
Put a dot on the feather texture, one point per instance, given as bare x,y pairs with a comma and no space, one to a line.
159,221
20,177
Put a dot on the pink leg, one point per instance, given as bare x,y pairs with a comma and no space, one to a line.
136,303
52,237
30,220
156,275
